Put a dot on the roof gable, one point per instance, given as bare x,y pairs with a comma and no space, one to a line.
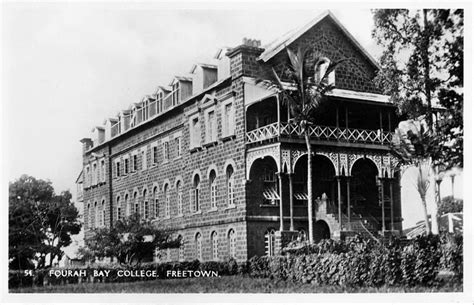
278,45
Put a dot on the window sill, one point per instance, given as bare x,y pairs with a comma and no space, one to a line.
227,138
179,216
167,217
165,161
211,210
199,212
230,207
177,158
210,144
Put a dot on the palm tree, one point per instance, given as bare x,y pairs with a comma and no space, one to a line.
304,94
412,143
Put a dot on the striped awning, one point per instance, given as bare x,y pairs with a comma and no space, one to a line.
270,193
300,196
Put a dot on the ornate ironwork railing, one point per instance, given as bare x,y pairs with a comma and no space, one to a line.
325,133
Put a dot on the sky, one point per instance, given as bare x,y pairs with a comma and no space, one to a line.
67,66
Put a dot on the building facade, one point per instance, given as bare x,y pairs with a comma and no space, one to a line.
217,158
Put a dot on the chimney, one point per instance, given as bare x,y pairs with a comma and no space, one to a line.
243,59
86,144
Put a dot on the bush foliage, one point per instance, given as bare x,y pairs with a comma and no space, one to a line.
357,263
366,263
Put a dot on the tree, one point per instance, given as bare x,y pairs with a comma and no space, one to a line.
422,62
41,222
304,95
131,241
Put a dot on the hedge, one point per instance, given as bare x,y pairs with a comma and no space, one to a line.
366,263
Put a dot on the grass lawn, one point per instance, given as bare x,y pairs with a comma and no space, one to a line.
227,284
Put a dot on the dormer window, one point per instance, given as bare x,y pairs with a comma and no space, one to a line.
175,94
159,102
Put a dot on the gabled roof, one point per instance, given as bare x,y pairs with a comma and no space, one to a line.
163,88
276,46
181,79
208,66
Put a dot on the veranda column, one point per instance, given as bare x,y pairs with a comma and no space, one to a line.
348,185
339,201
382,192
290,179
278,114
281,199
391,205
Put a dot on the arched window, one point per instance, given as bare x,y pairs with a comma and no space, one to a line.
181,248
128,210
102,213
270,242
215,246
179,191
230,186
213,189
194,194
119,209
155,196
231,241
88,222
96,215
199,246
135,204
145,205
167,201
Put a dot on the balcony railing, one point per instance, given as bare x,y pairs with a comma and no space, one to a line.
325,133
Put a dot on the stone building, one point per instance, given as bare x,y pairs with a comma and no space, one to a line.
216,156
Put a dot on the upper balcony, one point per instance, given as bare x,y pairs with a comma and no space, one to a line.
323,133
345,122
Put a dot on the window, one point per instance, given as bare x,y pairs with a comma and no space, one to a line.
270,242
155,196
167,202
117,168
211,127
145,205
102,214
96,215
231,241
136,206
87,178
199,246
102,170
119,209
321,69
144,163
179,190
213,189
194,194
128,210
166,151
126,165
175,96
135,162
177,144
87,222
160,102
155,154
181,248
215,246
94,173
228,119
230,186
195,132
